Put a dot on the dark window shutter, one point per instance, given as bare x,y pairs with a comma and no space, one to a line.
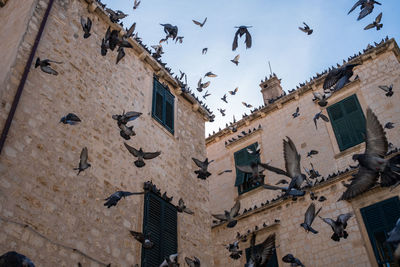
160,221
163,105
379,219
242,157
348,122
169,111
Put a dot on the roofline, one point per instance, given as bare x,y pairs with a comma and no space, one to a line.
312,85
159,69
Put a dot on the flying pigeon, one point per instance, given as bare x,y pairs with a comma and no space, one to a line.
224,98
143,239
114,198
116,16
235,60
297,113
376,24
203,165
306,29
318,116
339,77
210,74
387,89
247,105
124,118
311,153
45,65
179,39
242,30
206,94
389,125
289,258
83,164
136,4
201,86
373,162
233,248
309,218
171,31
255,169
126,131
199,23
71,119
234,91
222,111
367,6
141,155
338,226
229,216
86,26
322,98
293,170
204,51
182,207
259,256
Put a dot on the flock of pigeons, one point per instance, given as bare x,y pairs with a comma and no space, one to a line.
372,164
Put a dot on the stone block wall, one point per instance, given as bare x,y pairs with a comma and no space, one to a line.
38,185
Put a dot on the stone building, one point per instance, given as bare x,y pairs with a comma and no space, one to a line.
50,214
265,212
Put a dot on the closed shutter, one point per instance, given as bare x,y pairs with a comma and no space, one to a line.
379,220
169,111
348,122
242,157
160,221
158,100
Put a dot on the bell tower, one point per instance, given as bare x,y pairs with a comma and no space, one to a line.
271,88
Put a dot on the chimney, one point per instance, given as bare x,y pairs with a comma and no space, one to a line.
271,88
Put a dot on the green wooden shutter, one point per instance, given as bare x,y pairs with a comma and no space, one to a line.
272,262
160,220
158,101
242,157
379,219
348,122
169,111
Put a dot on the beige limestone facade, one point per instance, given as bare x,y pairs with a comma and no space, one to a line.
38,186
269,126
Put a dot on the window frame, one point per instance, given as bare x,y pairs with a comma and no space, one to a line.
167,98
162,245
351,128
240,188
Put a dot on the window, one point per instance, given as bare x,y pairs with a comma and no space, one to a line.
348,122
163,105
379,219
242,157
273,261
160,221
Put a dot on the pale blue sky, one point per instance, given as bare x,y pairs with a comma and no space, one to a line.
294,56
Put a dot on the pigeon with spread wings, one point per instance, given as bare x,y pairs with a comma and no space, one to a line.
45,65
235,60
201,24
309,217
83,162
182,207
86,27
318,116
203,165
242,30
366,6
259,256
339,77
306,29
338,226
376,24
387,89
143,239
229,216
141,155
373,162
234,91
117,196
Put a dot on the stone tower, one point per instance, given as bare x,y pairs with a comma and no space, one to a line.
271,88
